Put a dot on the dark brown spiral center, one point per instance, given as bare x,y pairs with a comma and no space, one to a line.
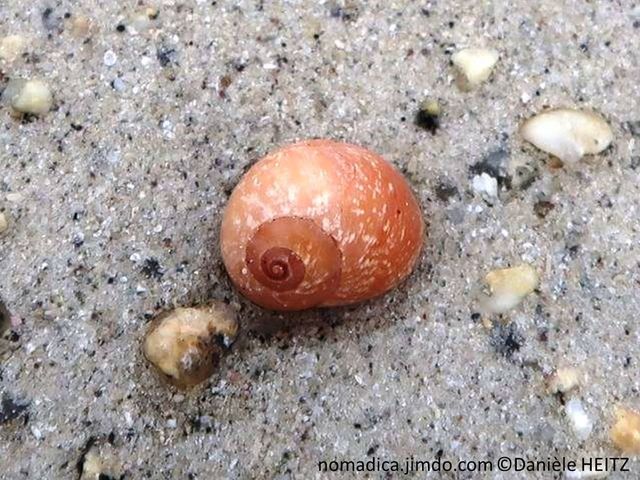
277,270
281,269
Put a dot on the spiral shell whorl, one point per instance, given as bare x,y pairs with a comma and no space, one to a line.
294,260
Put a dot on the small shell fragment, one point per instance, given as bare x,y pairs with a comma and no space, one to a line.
568,134
580,422
509,286
186,344
474,66
625,434
11,47
28,96
563,380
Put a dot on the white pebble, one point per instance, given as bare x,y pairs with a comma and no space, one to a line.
568,134
118,84
14,197
474,66
36,432
585,474
485,185
172,423
128,419
580,421
11,47
110,58
28,96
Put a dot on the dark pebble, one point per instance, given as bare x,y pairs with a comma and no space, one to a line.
11,409
495,165
444,191
166,56
542,208
506,340
427,121
152,268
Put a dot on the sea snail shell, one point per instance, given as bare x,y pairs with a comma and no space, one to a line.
320,223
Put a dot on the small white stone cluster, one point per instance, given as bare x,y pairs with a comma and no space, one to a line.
567,134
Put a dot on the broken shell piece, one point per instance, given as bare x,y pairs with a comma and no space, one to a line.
11,47
568,134
625,434
28,96
508,287
563,380
186,344
474,66
580,421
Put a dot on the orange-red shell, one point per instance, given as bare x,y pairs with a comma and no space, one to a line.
320,223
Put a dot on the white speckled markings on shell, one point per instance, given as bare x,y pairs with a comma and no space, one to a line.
353,195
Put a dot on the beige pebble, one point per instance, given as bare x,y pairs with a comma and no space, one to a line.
92,466
508,287
28,96
563,380
4,225
568,134
12,47
100,462
625,434
82,26
474,66
186,344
